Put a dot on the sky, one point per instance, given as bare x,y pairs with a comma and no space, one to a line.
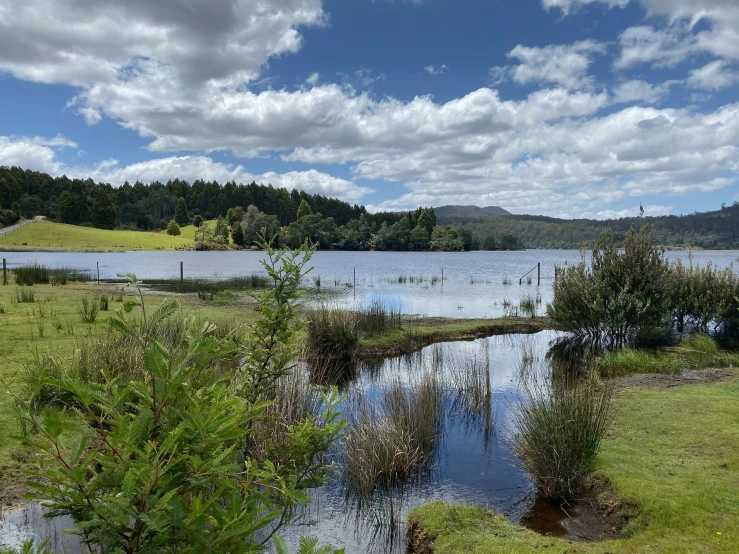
567,108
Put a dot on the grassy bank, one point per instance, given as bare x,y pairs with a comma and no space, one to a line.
424,332
52,321
672,452
61,237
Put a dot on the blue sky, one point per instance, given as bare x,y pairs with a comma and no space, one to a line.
570,108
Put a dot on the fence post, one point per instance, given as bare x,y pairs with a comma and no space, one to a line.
182,273
442,275
98,266
5,273
355,278
538,274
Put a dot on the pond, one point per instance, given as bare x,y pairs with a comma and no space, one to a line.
474,284
472,462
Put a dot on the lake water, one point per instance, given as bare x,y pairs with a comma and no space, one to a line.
473,282
472,462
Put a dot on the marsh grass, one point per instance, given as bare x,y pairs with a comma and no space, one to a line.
103,302
390,441
377,317
25,295
560,425
193,286
528,306
89,310
37,274
696,351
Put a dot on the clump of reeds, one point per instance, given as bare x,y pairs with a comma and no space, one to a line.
249,282
527,305
37,274
295,400
89,310
389,442
25,295
471,384
103,302
377,317
507,281
560,424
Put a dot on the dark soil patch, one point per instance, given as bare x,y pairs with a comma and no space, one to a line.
595,515
12,488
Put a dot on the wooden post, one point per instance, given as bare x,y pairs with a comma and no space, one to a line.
182,273
98,265
538,274
5,273
442,275
355,278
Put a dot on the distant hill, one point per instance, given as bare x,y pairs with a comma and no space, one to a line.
467,212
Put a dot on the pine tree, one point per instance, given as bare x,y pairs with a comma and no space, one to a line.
237,235
180,213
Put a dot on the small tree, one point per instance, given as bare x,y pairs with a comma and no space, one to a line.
180,213
304,209
161,462
173,229
234,215
237,234
621,295
197,221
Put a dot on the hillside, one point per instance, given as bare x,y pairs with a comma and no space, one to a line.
451,214
59,236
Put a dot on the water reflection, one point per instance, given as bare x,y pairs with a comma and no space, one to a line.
469,461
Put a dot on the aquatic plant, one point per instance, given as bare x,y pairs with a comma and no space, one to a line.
560,424
37,274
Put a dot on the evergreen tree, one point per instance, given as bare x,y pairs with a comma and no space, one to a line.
304,209
180,213
237,234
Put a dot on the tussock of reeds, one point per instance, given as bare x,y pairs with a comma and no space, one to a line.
37,274
390,441
560,425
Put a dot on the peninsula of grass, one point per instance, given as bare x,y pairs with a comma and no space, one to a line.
417,334
59,237
666,453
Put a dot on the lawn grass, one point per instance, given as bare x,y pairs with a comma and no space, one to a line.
56,310
59,236
673,452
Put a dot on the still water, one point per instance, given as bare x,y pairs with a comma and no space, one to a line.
472,463
474,284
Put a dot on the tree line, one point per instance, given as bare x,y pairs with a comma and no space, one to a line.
241,211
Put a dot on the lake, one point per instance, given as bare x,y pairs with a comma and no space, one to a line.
473,282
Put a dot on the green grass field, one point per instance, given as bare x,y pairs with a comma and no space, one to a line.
673,452
53,322
58,236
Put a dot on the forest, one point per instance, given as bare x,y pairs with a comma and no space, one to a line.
330,223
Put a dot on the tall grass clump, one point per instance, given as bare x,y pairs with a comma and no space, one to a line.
527,305
628,361
89,310
332,333
389,442
103,302
25,295
560,425
37,274
376,318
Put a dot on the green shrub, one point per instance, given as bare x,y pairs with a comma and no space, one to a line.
173,229
161,461
621,295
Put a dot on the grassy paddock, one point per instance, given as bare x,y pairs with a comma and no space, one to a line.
52,323
672,452
62,237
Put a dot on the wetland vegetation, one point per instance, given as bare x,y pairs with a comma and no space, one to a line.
303,400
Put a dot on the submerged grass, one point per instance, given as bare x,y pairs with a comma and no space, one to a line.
388,442
37,274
